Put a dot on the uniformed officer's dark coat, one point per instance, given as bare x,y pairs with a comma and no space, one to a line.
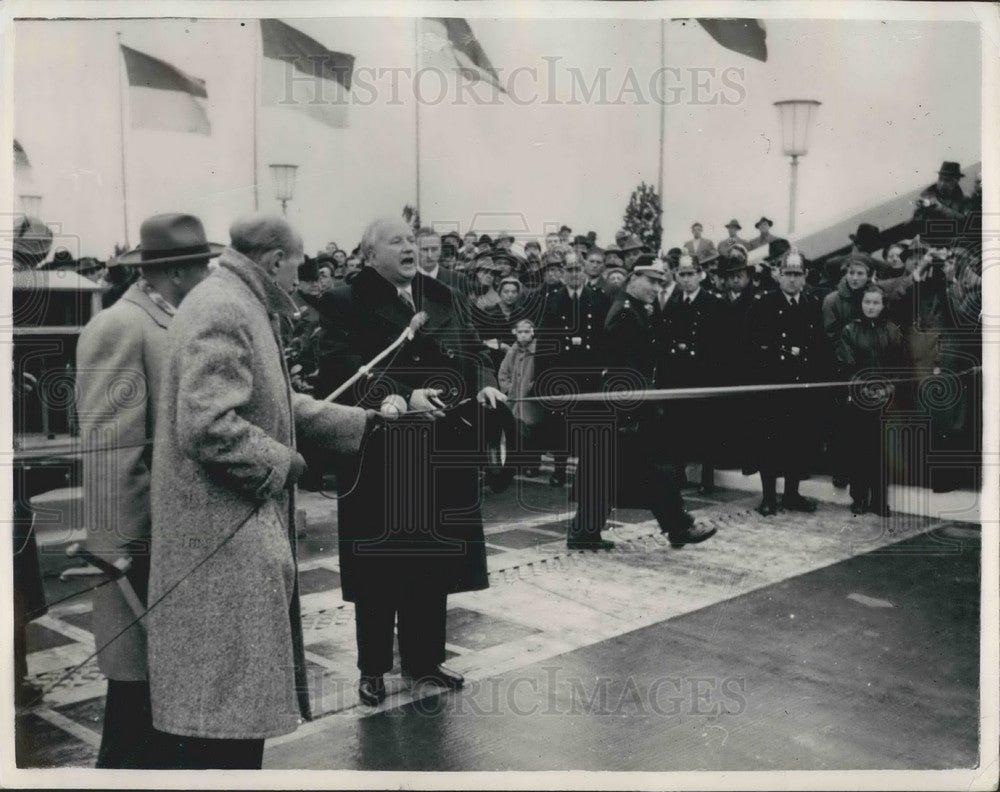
561,322
405,514
787,345
630,349
691,340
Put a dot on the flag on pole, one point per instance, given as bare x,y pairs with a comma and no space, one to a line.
161,96
20,157
746,36
302,74
449,43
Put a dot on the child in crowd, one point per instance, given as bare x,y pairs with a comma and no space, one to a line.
517,378
869,348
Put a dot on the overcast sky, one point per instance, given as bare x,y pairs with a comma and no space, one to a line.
898,98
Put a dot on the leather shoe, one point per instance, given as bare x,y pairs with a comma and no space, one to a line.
692,535
371,689
797,503
440,675
857,508
589,544
766,508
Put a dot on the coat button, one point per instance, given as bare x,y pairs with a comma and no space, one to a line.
416,358
450,353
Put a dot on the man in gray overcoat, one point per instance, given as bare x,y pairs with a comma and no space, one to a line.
119,358
226,656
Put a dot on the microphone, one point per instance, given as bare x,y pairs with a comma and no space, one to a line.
419,320
416,323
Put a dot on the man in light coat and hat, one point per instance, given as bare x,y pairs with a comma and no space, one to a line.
734,238
119,359
226,654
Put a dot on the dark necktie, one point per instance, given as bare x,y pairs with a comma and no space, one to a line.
408,301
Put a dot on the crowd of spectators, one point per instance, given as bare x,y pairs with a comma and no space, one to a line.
540,307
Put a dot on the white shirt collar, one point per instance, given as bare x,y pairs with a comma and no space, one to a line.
691,297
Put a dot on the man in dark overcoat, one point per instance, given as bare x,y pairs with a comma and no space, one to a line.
566,362
628,468
785,331
410,529
692,354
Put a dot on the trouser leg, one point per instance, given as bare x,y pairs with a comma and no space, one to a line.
197,753
128,740
769,486
375,619
423,618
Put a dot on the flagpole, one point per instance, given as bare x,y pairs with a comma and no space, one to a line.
416,101
121,118
257,66
663,107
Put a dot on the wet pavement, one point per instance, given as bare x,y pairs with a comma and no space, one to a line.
822,641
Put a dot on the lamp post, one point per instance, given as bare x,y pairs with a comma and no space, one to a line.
796,117
284,184
31,205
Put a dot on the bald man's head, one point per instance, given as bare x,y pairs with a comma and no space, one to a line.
272,243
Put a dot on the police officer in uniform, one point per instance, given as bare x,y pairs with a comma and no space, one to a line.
628,469
569,333
692,352
785,331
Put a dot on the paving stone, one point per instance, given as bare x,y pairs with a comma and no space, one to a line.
318,579
519,539
89,712
475,630
41,638
81,620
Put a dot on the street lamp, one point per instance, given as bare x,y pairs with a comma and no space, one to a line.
284,184
31,205
796,117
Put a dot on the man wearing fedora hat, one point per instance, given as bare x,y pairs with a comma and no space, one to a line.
226,655
633,464
733,227
125,346
943,200
632,248
765,237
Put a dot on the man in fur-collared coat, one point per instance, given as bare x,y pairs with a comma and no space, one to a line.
119,359
225,643
410,529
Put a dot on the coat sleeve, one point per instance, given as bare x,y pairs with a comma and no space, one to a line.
213,368
506,375
331,426
112,401
844,352
832,321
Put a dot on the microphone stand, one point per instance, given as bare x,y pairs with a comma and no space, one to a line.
407,335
